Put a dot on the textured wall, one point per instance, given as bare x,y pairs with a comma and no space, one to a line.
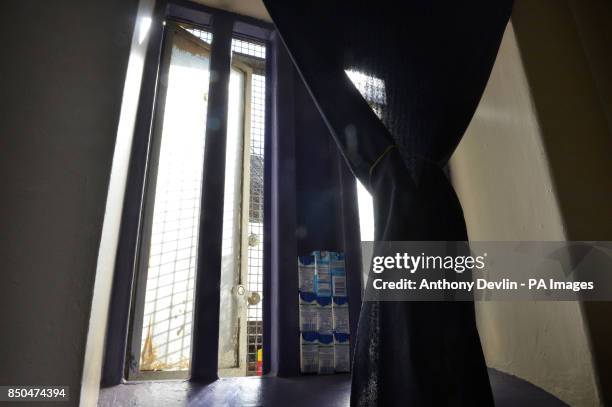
61,81
501,173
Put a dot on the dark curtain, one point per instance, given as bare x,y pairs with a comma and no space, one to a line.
435,58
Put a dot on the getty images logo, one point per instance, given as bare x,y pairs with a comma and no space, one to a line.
411,263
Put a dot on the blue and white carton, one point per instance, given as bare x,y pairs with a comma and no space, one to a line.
326,354
306,273
342,353
325,319
340,315
324,313
338,274
309,312
323,282
309,352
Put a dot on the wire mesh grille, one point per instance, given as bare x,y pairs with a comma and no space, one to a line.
238,45
256,196
249,48
204,35
168,315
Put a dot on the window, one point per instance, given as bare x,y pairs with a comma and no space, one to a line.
167,259
372,89
168,253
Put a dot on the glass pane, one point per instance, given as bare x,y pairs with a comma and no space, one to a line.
168,309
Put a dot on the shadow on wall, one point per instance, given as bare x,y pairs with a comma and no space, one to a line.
565,46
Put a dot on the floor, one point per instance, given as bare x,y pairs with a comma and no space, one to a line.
309,391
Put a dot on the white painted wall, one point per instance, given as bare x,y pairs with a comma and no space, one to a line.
501,174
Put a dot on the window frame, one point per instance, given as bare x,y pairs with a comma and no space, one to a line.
120,339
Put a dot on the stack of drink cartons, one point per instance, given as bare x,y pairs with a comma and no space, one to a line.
340,313
324,321
309,337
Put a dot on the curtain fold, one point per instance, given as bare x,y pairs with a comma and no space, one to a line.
434,59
